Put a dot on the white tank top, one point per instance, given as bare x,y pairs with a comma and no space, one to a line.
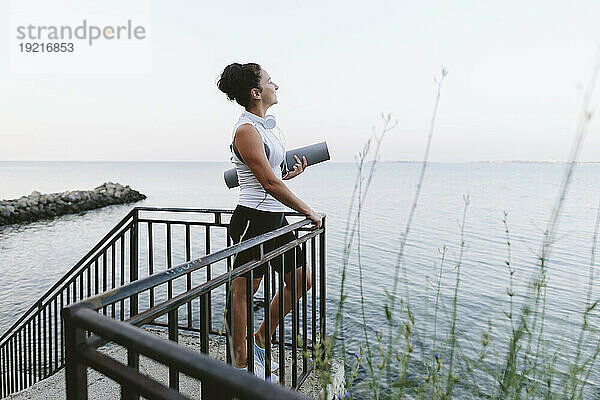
252,194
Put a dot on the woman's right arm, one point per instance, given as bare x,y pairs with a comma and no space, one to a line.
250,146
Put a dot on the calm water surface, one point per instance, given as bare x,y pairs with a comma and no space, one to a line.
33,256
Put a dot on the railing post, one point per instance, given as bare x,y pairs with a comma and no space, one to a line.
304,307
208,275
122,275
209,390
322,282
250,321
294,323
228,308
45,343
133,361
169,261
267,302
204,322
173,322
133,358
75,368
56,311
2,372
281,326
39,346
188,257
62,337
133,261
35,347
21,375
11,366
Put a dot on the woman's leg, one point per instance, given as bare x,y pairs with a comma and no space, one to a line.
287,303
239,320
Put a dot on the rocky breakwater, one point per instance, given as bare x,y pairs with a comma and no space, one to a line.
38,206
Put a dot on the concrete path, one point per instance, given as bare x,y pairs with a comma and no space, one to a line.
100,387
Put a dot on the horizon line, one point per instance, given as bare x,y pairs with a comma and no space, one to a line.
340,162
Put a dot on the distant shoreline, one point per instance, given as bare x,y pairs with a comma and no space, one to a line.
38,206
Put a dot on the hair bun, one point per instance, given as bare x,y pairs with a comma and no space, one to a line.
230,79
237,80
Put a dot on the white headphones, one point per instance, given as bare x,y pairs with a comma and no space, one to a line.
269,122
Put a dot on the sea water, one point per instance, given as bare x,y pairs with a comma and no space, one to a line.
34,255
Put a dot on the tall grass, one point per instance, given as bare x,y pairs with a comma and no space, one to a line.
527,366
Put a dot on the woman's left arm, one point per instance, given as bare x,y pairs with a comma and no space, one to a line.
299,168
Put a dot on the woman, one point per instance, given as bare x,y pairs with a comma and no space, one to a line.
261,201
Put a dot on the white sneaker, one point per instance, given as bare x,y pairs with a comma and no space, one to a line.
259,371
259,353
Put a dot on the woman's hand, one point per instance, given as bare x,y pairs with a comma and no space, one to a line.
316,218
299,168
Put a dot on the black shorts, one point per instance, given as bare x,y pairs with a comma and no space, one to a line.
263,222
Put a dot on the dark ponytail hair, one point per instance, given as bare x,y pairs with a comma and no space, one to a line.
237,80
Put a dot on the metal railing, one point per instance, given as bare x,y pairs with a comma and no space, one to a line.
219,381
34,347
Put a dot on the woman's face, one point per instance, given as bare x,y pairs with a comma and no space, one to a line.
269,88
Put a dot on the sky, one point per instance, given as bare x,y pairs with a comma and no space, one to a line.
516,75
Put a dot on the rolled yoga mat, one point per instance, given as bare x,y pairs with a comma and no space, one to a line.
314,153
